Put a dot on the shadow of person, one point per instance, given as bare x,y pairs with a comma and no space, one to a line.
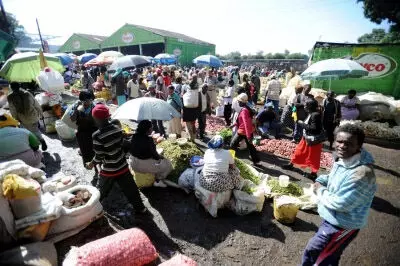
52,162
303,226
384,206
186,219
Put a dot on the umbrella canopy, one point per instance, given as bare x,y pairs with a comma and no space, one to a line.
334,69
146,108
208,60
129,62
165,59
86,57
105,58
64,58
25,67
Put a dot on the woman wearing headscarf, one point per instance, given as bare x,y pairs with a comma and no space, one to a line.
350,106
245,128
219,172
308,154
144,156
81,114
26,109
18,143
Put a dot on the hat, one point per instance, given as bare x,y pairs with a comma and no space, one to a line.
216,142
8,122
243,98
100,111
117,72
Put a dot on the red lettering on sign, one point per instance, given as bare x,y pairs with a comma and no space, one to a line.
372,67
380,67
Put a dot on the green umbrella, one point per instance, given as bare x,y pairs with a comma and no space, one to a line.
25,67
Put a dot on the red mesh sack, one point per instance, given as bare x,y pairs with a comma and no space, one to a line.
128,247
179,260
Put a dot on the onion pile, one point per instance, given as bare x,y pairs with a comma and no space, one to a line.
376,129
285,148
214,124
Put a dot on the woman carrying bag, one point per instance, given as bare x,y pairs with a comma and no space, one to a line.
308,151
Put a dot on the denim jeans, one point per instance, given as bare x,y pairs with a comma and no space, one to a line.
270,126
276,105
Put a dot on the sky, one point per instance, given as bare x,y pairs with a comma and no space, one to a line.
246,26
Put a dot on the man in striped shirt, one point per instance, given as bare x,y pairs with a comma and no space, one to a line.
107,145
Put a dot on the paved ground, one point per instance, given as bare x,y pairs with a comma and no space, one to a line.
180,225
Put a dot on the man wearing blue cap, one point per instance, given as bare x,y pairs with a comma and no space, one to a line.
267,120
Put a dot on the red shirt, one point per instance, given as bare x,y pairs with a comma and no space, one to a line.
245,123
167,81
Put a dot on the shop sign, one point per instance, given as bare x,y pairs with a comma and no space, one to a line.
378,65
177,52
127,37
76,44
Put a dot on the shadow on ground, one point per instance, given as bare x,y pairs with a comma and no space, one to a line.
381,205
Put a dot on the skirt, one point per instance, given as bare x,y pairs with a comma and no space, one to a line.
219,182
307,156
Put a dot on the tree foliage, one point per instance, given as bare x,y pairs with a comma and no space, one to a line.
11,26
380,36
379,10
260,55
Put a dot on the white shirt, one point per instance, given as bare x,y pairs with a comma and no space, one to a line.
217,161
228,95
203,102
134,88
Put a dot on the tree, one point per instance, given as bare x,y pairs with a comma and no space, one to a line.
259,55
379,10
269,56
286,52
234,55
278,56
297,56
13,28
380,36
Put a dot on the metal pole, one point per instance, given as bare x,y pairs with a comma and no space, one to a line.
40,35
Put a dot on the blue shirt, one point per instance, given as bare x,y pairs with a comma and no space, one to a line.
348,191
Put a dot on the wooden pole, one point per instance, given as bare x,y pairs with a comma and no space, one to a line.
40,34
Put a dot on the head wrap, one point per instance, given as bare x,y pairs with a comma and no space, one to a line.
243,98
8,122
216,142
100,111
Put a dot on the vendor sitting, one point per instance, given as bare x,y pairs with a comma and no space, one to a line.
18,143
219,172
267,121
144,156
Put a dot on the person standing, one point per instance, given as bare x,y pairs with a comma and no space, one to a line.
331,116
118,81
133,87
211,82
153,93
160,85
86,79
81,114
235,76
246,85
205,109
273,93
308,154
228,97
345,197
298,104
245,128
350,106
255,79
167,79
109,154
191,107
175,125
27,110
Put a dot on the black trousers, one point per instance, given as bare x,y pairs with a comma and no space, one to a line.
126,184
158,126
329,127
236,139
202,123
228,114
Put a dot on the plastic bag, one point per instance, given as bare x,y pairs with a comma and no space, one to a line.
67,119
51,81
219,111
212,201
186,179
20,168
191,99
42,98
64,131
16,187
309,200
244,203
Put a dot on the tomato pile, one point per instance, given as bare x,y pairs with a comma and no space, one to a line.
214,124
285,148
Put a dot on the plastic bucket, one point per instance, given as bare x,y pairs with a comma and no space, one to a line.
285,209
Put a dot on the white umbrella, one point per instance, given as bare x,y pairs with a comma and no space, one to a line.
146,108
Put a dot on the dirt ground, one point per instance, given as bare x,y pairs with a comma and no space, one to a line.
179,224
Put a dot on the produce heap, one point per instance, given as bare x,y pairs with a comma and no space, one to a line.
179,156
214,124
284,148
245,172
376,129
226,134
292,189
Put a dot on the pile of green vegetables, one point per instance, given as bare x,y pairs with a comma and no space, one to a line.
179,156
226,134
245,172
292,189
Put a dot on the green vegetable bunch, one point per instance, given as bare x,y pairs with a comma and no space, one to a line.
245,172
226,134
179,157
292,189
249,190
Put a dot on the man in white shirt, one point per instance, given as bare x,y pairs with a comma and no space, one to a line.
228,102
133,87
273,93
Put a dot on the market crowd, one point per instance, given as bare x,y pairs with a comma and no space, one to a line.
345,193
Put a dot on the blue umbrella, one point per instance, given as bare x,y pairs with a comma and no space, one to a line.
86,57
165,59
64,58
208,60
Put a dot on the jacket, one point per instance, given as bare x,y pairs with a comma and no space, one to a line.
348,190
33,112
314,125
245,123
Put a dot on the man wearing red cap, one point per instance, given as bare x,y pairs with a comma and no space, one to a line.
107,145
